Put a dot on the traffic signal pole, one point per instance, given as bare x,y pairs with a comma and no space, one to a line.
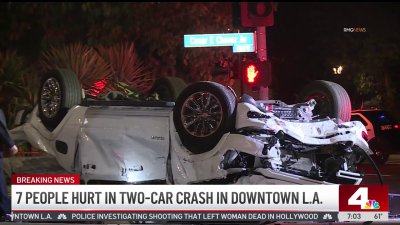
262,56
241,75
261,44
259,15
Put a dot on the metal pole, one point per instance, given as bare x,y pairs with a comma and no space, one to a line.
241,75
261,44
262,56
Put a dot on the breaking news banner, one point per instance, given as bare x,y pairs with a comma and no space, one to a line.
62,198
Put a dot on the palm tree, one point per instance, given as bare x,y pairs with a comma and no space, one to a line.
127,68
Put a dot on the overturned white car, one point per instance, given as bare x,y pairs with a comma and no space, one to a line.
206,136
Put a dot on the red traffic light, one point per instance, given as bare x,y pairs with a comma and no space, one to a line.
252,72
257,14
257,73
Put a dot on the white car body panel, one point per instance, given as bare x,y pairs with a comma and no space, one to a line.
39,137
124,143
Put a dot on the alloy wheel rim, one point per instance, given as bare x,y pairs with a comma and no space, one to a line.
201,114
50,97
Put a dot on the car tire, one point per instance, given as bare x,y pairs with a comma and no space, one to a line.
59,91
203,113
168,88
332,100
380,147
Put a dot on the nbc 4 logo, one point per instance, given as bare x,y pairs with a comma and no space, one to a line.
360,197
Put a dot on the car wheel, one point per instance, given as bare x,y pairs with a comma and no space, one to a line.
332,100
380,147
59,91
203,113
168,88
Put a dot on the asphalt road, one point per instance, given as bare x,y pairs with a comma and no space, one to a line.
390,173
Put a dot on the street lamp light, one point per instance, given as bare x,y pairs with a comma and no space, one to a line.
338,70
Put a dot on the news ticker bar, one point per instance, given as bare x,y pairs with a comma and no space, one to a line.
178,216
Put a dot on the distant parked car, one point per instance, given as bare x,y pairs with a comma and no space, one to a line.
383,132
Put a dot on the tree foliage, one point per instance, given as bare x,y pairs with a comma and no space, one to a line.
127,67
17,83
41,32
156,28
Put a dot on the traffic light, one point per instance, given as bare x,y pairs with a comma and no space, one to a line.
252,73
256,73
257,14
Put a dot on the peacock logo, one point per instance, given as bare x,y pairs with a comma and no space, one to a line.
372,204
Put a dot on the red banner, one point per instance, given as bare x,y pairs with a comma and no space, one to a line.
56,179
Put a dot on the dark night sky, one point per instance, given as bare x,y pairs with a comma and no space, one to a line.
304,35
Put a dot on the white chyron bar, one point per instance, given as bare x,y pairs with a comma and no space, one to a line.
180,203
175,198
